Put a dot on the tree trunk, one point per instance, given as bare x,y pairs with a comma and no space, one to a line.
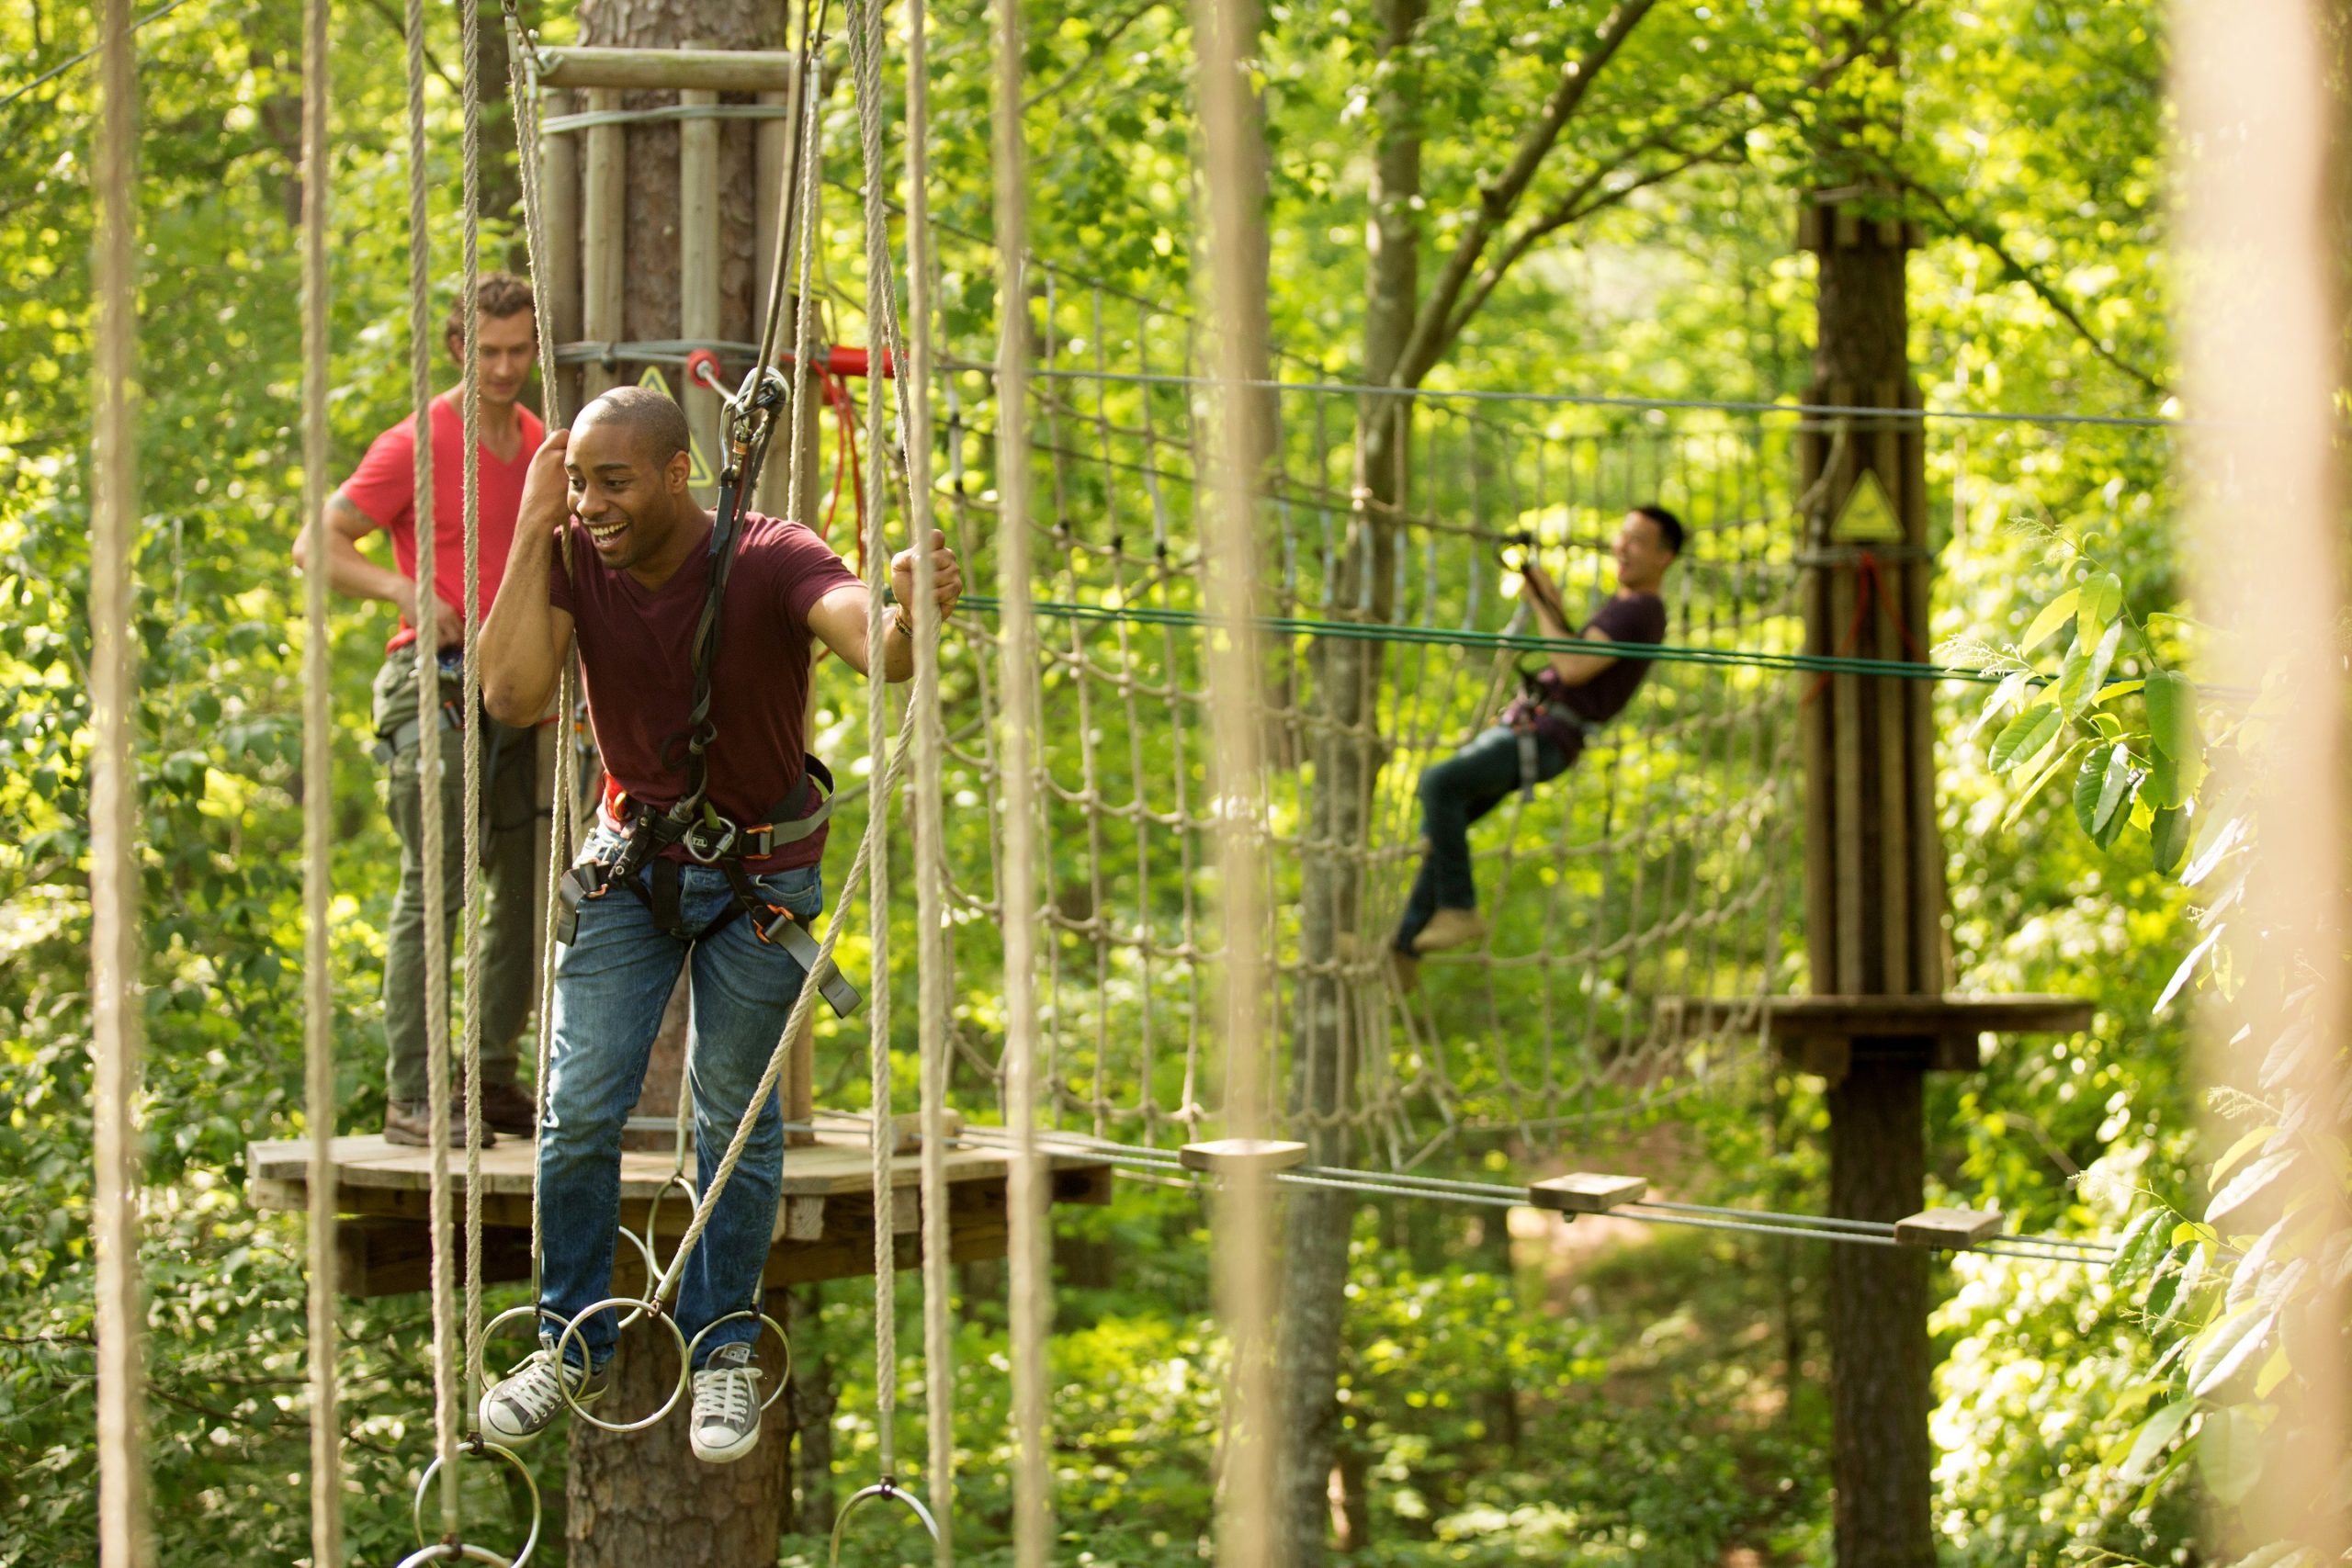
1315,1259
643,1497
1874,871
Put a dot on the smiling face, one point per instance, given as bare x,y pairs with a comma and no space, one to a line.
629,484
1642,552
505,347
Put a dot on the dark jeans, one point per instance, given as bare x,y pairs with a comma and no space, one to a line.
1454,794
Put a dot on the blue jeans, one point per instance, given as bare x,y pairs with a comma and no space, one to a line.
612,982
1454,794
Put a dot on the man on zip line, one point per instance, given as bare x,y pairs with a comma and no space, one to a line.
1538,734
729,890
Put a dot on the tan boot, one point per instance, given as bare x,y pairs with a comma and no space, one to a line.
506,1109
410,1125
1451,928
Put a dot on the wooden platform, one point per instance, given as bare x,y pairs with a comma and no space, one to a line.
824,1227
1825,1035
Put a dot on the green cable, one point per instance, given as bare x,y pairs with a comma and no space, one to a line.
1510,642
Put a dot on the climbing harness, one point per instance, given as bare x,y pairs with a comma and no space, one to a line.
691,824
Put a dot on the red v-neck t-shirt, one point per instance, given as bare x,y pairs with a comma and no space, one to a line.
637,655
384,488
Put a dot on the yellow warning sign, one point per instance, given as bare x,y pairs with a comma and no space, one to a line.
702,475
1868,517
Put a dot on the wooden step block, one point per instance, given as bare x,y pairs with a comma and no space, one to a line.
1228,1156
1948,1230
1586,1192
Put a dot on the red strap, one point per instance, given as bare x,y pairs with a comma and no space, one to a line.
1871,584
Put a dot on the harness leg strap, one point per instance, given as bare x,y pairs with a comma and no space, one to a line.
1529,764
793,938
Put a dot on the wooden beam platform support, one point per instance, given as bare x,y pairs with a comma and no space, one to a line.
824,1228
1948,1230
1939,1034
1586,1192
704,70
1227,1156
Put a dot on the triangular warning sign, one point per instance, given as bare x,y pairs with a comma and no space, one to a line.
1868,517
701,477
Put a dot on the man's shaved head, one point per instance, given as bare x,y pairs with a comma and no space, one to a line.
657,426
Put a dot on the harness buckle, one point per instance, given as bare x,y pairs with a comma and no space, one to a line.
710,839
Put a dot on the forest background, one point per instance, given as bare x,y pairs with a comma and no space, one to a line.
1655,1398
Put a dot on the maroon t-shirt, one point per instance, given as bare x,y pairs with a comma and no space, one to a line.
637,655
1624,618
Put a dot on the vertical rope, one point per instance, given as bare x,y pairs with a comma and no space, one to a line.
124,1537
933,995
469,88
866,38
428,781
318,797
522,79
1244,1219
1017,650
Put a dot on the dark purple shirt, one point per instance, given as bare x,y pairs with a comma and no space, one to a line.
636,656
1623,617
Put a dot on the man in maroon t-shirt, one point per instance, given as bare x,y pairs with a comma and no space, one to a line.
633,593
383,494
1538,734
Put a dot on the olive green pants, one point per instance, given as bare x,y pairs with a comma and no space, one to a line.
510,816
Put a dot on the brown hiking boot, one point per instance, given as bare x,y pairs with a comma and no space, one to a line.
409,1123
1450,928
506,1109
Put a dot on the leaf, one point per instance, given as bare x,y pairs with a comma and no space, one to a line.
2022,739
2012,685
2188,968
2094,675
2104,784
2229,1447
2236,1152
2172,713
2171,1294
2216,838
2225,1346
2248,1185
2155,1435
2054,614
2138,1247
2024,797
2074,679
2168,837
2100,602
2168,785
2277,1554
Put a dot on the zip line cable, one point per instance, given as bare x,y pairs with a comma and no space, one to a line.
63,66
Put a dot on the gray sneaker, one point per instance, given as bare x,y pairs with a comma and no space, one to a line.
726,1424
518,1406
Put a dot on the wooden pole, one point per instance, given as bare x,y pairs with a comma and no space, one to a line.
698,268
557,291
604,259
696,70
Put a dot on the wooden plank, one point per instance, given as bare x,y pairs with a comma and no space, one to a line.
1846,1017
698,268
1586,1192
1949,1230
1227,1156
804,1218
708,70
1845,846
603,228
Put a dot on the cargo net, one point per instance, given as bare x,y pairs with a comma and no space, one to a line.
1658,868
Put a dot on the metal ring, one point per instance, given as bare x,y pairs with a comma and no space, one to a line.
647,1307
466,1552
677,1178
528,1309
695,1344
887,1488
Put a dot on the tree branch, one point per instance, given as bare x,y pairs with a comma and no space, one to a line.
1096,51
1444,314
1498,201
1981,232
393,20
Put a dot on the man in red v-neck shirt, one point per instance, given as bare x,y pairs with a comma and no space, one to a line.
381,493
725,900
